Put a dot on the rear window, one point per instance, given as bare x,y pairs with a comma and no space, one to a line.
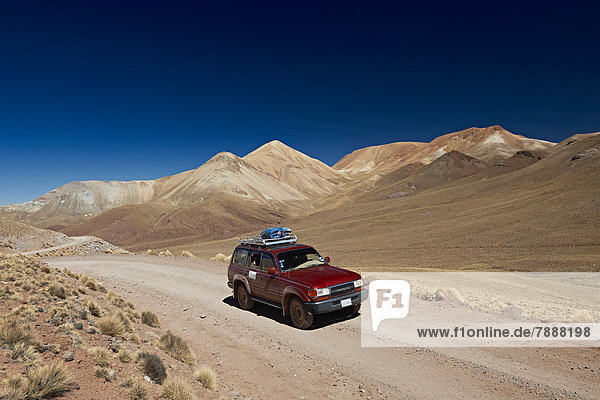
240,257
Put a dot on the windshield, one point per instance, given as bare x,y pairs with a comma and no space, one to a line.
300,258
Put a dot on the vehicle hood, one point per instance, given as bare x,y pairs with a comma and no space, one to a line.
321,276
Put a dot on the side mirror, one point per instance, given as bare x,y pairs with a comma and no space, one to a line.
272,271
327,260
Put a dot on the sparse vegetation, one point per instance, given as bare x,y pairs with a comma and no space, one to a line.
177,348
165,253
150,252
13,332
206,376
93,307
153,367
124,355
188,254
40,383
102,372
138,390
100,355
57,290
177,389
112,326
150,319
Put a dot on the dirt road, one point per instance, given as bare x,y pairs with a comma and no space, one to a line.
73,241
260,355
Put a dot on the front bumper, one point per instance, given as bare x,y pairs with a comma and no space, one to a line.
329,305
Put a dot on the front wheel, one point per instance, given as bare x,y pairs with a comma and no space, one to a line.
354,309
243,297
301,318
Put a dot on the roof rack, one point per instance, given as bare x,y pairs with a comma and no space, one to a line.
259,241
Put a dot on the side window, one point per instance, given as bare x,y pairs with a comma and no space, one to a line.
267,262
240,257
255,260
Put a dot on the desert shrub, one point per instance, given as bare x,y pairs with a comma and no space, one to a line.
153,367
111,325
102,372
100,355
124,320
13,332
177,389
57,291
187,254
220,257
124,355
24,351
45,269
40,383
165,253
91,284
138,390
115,299
135,338
206,376
177,348
130,305
150,319
150,252
93,307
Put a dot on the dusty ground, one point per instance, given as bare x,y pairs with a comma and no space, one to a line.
262,353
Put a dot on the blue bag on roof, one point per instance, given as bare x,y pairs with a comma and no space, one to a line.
276,233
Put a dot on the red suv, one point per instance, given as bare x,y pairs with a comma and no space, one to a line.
292,277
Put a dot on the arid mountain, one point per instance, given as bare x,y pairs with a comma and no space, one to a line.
229,195
448,167
484,144
383,158
545,216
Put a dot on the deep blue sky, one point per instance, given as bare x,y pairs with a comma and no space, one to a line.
141,89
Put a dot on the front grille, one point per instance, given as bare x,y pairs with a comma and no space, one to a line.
342,289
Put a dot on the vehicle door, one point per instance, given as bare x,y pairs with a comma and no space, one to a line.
271,284
255,273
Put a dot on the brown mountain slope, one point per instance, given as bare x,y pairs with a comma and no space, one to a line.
450,166
383,158
307,175
542,217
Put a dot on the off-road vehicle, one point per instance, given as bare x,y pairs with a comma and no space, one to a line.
293,277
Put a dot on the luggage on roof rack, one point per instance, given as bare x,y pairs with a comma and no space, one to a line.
271,237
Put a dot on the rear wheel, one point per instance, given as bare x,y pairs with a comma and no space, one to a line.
243,297
301,318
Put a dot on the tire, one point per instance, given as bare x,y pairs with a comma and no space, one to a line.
243,297
355,309
301,318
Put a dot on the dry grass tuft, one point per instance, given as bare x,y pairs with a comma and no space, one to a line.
124,355
165,253
102,372
188,254
150,252
124,320
220,257
138,390
150,319
45,269
101,356
153,367
177,389
206,376
112,326
40,383
93,307
177,348
57,291
13,332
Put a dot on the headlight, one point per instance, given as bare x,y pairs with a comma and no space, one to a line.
358,283
318,292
